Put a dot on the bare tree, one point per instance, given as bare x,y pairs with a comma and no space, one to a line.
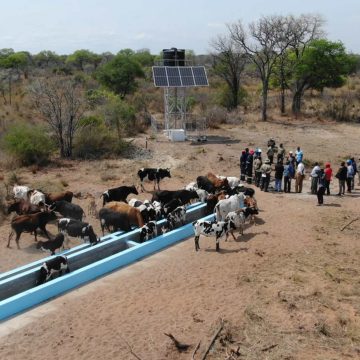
228,63
61,104
269,39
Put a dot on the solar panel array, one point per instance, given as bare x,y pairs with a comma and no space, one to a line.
179,76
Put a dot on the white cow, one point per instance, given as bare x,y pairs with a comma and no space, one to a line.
21,192
233,203
239,217
36,197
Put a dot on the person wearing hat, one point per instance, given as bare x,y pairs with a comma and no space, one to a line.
349,175
257,166
341,176
265,175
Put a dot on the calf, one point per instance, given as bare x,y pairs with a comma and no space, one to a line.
212,200
135,203
177,216
159,211
152,174
191,186
202,194
76,228
52,245
209,228
68,209
113,221
146,209
239,217
51,267
148,231
118,194
29,223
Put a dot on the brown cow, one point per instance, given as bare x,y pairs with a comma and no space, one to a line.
217,182
213,199
22,207
57,196
134,215
29,223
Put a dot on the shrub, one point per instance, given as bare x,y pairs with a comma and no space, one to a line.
95,141
30,144
216,116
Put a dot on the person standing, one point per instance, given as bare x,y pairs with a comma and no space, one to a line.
321,186
281,153
349,175
289,173
299,177
328,175
249,166
292,159
299,155
257,166
243,165
314,178
353,163
341,176
265,175
279,170
270,154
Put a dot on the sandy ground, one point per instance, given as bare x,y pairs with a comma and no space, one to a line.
288,289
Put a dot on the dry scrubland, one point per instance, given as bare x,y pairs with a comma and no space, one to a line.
288,289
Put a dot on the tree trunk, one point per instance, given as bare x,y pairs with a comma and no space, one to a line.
264,101
296,102
235,96
282,101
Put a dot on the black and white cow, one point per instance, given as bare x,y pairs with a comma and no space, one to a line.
165,196
148,231
211,228
118,194
239,217
76,228
51,267
152,174
52,245
177,216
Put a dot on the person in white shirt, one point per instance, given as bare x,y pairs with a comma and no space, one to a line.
299,177
314,178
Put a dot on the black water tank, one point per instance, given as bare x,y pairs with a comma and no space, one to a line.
174,57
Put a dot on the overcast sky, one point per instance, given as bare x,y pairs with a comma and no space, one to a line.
110,25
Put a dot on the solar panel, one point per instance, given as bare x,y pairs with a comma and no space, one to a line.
173,76
179,76
200,76
187,77
160,77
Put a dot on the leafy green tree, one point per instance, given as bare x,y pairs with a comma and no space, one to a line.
120,73
46,58
323,64
144,58
81,58
30,144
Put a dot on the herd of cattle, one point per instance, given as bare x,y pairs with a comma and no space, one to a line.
231,202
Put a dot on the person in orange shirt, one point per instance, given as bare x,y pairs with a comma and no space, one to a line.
328,176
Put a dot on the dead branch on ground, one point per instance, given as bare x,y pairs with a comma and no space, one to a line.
349,223
213,340
196,349
179,345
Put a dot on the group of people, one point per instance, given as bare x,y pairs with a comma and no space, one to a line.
290,166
